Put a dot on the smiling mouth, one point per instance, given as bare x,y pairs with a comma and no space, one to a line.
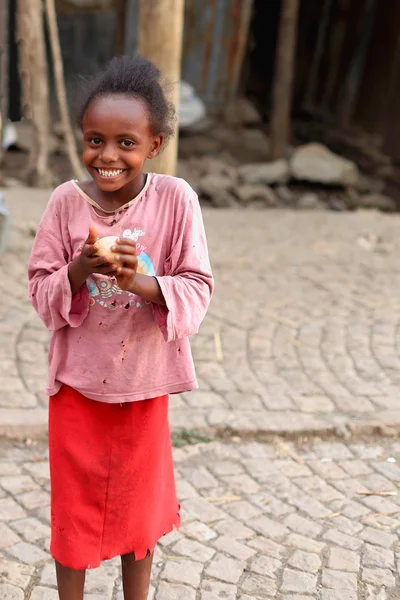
109,173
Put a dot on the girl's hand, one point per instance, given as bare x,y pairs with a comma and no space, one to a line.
87,262
125,251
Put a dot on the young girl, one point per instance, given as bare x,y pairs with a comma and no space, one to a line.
120,331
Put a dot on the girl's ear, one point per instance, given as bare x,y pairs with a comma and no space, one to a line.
155,146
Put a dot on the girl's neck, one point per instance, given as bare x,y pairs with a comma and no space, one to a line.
114,200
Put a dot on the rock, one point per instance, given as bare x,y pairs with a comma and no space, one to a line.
369,185
253,193
220,167
384,203
316,163
337,204
197,145
285,194
242,112
224,199
213,184
264,173
228,136
252,145
309,201
11,182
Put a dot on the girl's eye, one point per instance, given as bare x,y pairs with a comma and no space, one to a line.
95,141
127,143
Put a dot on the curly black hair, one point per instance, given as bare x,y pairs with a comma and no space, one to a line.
139,78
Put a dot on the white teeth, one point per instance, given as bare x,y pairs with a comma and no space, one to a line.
110,173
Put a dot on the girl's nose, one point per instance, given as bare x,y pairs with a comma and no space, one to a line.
109,153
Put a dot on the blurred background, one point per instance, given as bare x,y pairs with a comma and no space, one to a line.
258,84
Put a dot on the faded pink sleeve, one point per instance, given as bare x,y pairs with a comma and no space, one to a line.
49,287
188,282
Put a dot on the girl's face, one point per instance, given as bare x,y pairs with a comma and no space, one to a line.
117,141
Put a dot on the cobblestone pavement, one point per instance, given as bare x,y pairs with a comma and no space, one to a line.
302,336
260,521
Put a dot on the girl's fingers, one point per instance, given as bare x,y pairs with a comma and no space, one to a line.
92,237
127,259
98,261
125,241
124,249
125,272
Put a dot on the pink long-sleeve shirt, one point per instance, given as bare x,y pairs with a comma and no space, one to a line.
108,344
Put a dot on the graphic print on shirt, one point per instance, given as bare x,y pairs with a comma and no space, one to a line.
104,290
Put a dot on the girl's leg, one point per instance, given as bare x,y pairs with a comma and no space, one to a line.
70,583
136,576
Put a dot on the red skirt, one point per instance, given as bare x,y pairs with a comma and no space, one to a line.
112,478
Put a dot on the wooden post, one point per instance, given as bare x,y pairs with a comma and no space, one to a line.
160,40
34,86
283,78
72,151
3,74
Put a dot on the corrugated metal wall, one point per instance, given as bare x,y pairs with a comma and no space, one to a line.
215,40
348,70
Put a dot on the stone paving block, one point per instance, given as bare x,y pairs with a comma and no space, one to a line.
212,590
193,550
172,591
303,543
378,538
344,560
378,577
199,477
267,527
197,508
199,531
229,526
374,556
242,484
305,561
15,573
268,547
27,553
10,510
242,510
298,581
18,483
303,526
10,592
341,539
48,575
338,580
7,536
38,470
373,593
230,546
256,585
101,580
43,513
186,571
42,593
329,471
355,468
34,499
265,565
226,569
338,595
30,529
9,468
